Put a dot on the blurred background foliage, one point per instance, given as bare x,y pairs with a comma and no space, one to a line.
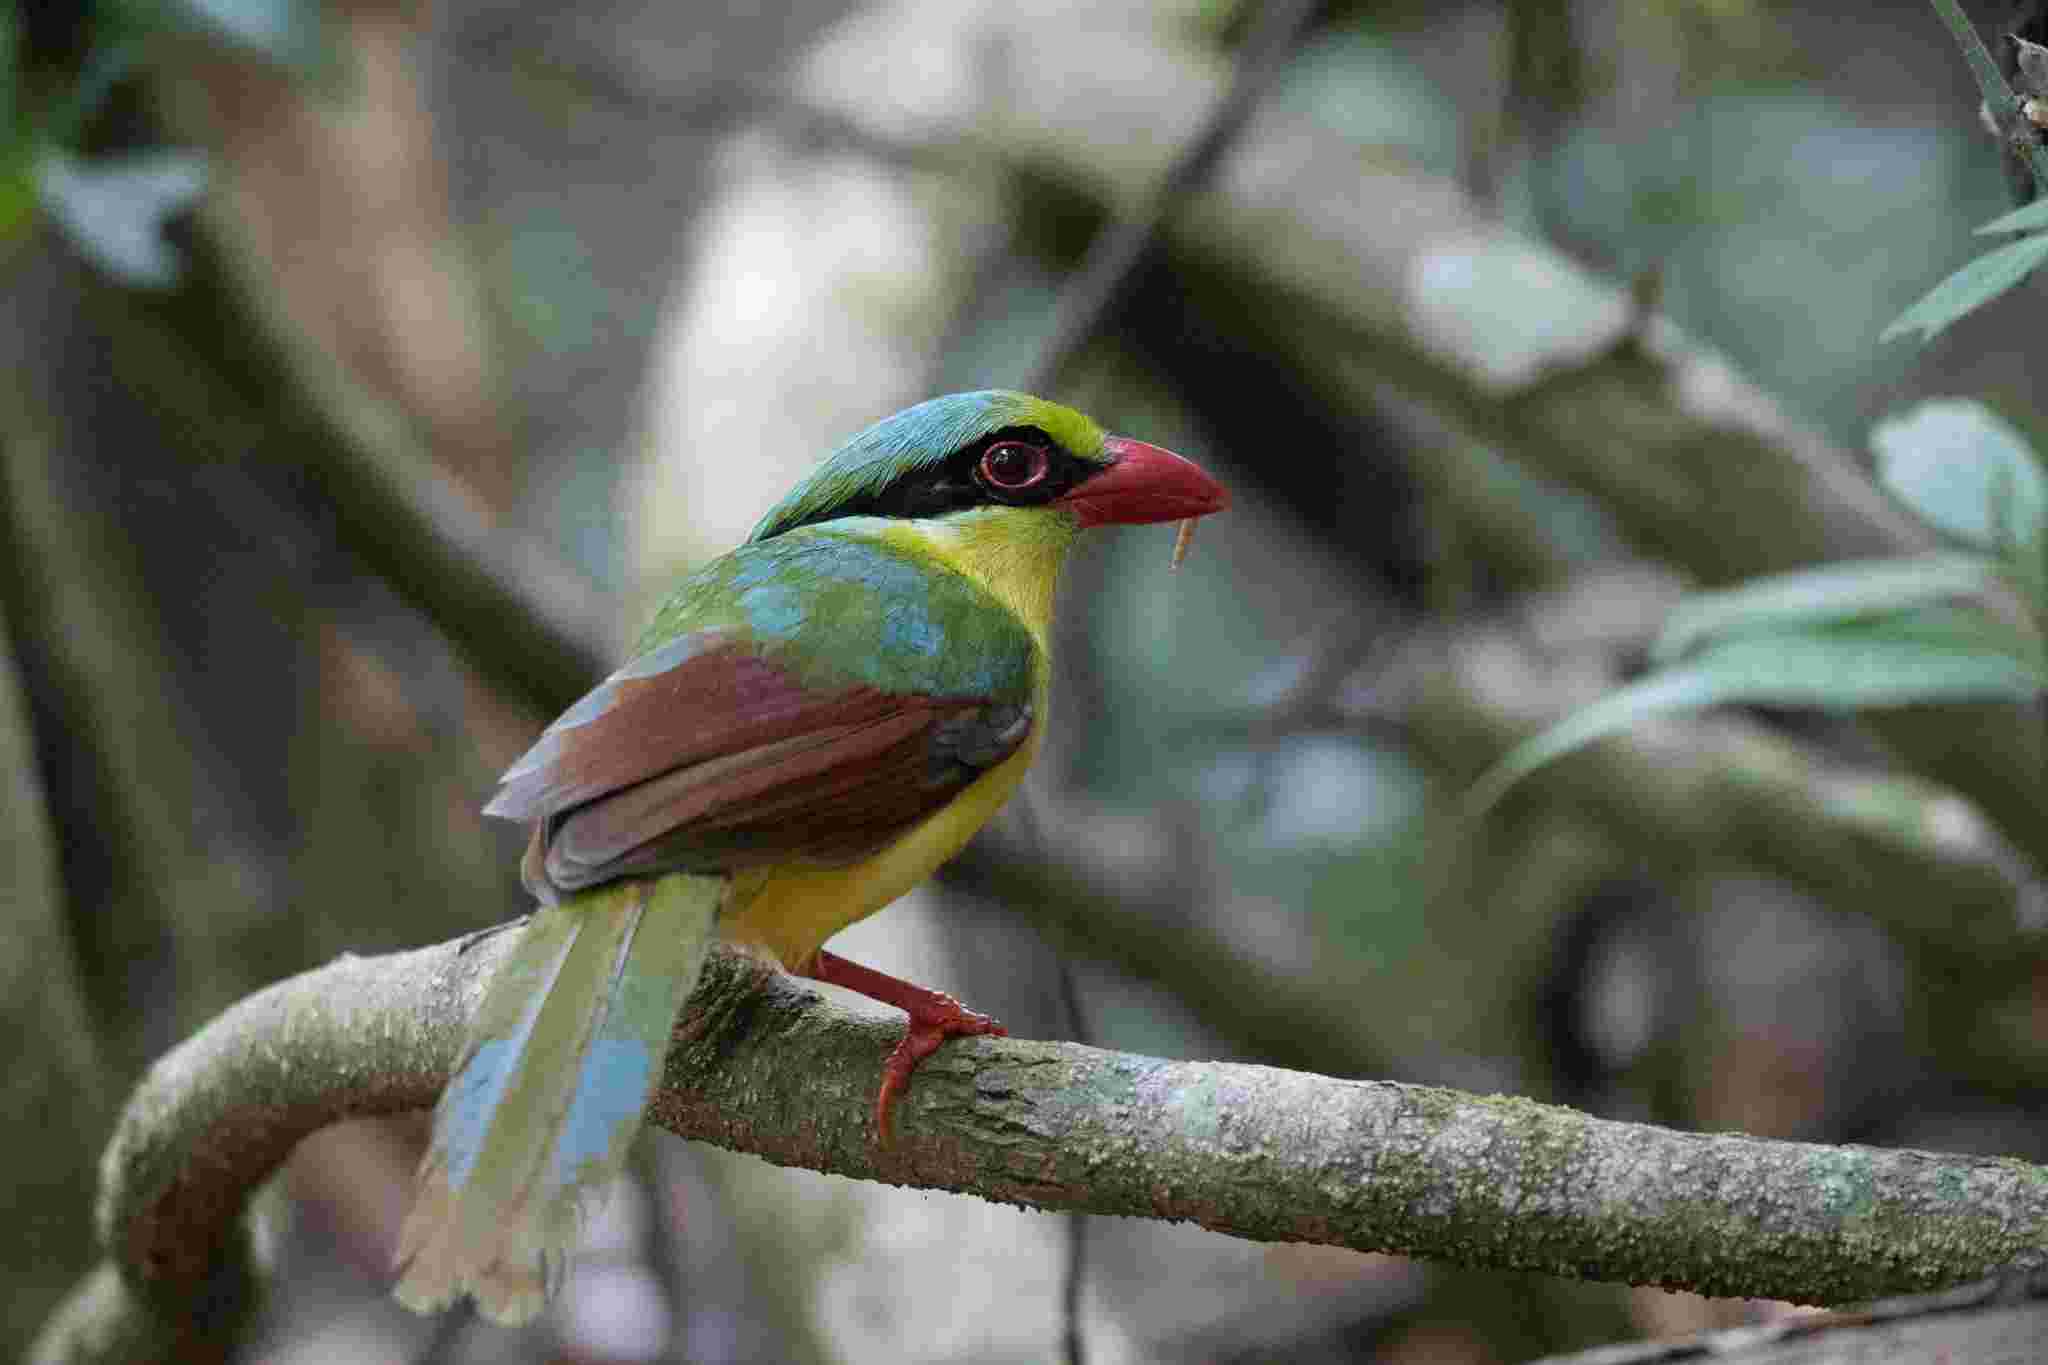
300,294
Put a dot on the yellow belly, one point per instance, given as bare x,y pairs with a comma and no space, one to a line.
789,912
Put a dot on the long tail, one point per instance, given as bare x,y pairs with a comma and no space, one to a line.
557,1070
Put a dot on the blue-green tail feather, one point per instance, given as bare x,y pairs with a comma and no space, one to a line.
561,1058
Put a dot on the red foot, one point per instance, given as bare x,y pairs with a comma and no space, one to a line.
934,1017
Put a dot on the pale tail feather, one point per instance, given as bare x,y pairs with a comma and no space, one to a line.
560,1060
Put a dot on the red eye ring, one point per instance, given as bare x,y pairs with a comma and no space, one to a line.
1014,466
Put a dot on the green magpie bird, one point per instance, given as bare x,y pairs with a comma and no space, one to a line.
811,724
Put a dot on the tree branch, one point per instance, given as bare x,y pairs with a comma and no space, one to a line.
533,625
1091,297
765,1065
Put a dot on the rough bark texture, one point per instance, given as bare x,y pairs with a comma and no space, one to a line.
764,1065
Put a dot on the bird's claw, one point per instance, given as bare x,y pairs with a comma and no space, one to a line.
930,1025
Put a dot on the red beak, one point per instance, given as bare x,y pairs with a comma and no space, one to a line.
1143,483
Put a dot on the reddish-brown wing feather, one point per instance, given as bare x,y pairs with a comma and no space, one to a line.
706,756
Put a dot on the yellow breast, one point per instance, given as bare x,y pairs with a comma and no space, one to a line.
789,911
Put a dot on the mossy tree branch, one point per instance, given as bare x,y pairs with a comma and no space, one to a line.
764,1065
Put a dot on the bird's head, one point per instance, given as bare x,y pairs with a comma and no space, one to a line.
996,449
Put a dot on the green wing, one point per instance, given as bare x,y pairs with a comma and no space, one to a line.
810,697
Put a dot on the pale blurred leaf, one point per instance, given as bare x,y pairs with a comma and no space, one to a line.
1975,284
1964,470
2023,219
1821,596
115,210
1918,657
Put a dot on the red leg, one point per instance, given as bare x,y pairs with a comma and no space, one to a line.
934,1017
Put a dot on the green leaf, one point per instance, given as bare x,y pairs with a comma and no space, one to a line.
1982,65
1822,596
1918,657
17,205
2023,219
1965,471
1975,284
114,211
1964,630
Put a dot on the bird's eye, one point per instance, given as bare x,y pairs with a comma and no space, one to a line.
1011,467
